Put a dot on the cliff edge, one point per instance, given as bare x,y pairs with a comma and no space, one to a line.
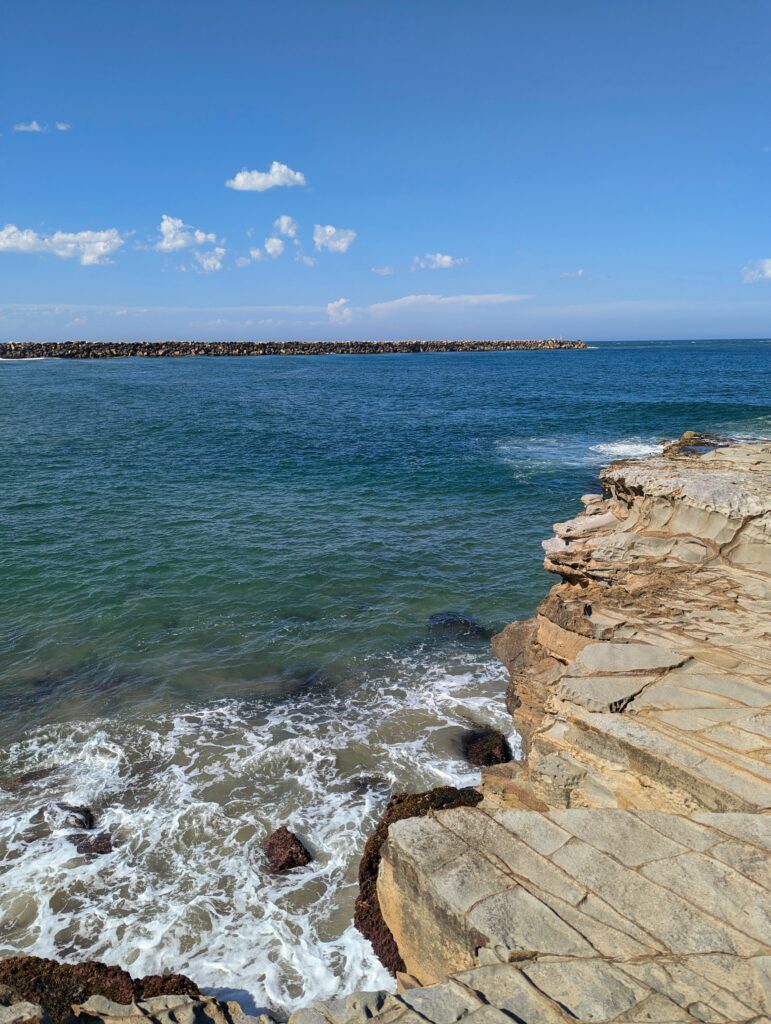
621,871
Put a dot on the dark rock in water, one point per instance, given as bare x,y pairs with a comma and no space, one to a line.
363,784
78,817
56,986
92,846
453,625
285,851
485,746
368,917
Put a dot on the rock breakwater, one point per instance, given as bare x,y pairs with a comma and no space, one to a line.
175,349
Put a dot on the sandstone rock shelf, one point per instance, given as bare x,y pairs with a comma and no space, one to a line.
620,872
168,349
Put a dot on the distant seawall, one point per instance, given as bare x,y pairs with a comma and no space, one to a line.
165,349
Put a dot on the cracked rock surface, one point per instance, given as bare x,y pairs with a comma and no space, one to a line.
621,872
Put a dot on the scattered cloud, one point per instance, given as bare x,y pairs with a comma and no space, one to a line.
573,273
756,270
307,261
210,261
89,247
256,255
279,176
437,261
274,247
286,225
416,302
63,126
28,126
339,311
383,271
175,235
325,236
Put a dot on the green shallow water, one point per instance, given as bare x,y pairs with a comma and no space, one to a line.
216,575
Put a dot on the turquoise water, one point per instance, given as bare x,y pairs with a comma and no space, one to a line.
216,576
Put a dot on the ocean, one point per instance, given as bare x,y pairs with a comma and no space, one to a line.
215,581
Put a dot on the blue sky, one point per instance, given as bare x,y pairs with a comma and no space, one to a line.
426,168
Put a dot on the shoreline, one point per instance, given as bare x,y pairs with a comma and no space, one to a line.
586,883
178,349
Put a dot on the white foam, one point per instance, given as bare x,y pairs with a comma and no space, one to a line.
191,796
628,449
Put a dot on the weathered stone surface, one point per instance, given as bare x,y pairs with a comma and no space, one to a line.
622,872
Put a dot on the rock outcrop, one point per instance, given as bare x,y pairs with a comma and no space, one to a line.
621,871
53,987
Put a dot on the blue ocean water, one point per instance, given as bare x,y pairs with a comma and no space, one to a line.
216,576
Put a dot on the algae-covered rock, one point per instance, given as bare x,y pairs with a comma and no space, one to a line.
484,746
368,917
284,851
56,986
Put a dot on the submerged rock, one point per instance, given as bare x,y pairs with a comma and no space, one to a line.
15,783
485,746
55,986
92,846
368,917
285,851
77,816
456,626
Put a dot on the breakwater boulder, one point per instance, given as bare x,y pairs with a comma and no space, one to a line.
175,349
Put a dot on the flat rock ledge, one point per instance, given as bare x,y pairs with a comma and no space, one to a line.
621,872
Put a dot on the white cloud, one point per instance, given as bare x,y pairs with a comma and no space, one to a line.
211,260
90,247
63,126
339,311
307,261
416,302
383,271
325,236
257,255
437,261
28,126
274,247
756,270
573,273
286,225
278,176
175,234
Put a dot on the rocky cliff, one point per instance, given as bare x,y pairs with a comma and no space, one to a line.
620,872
